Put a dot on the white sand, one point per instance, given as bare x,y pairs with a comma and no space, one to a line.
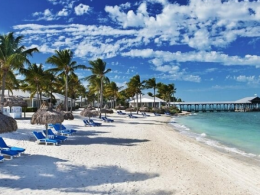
141,156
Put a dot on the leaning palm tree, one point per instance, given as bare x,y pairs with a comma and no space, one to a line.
64,65
98,69
12,56
151,83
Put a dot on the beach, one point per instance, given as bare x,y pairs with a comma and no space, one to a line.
142,156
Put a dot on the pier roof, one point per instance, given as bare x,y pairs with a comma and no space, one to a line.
246,100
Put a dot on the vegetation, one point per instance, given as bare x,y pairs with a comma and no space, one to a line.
63,79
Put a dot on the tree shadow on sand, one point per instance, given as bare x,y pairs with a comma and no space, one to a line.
38,172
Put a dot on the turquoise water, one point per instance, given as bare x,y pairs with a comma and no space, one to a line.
234,131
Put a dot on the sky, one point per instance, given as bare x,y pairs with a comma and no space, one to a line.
207,48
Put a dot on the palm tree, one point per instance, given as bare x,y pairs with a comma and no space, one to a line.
98,69
65,66
35,78
151,83
166,92
12,56
136,85
113,91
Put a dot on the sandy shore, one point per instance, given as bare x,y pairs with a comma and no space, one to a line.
141,156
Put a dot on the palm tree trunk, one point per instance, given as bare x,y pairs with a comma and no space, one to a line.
38,100
101,97
66,92
3,92
154,97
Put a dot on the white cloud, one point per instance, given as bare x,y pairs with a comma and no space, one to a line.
81,9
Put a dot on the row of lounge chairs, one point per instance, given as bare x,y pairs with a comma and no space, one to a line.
54,138
10,151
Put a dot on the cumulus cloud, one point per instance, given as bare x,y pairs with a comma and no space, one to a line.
81,9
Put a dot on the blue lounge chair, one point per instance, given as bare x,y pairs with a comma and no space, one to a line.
87,123
61,129
107,120
9,153
58,137
132,116
2,159
168,113
156,114
120,112
145,115
95,123
42,139
3,145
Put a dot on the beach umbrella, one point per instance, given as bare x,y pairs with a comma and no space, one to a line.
106,110
45,115
144,109
119,107
130,109
89,113
7,124
67,115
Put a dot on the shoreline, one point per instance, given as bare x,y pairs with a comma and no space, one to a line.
129,156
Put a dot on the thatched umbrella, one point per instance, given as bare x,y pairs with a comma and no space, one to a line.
67,115
106,111
45,115
89,113
119,107
130,109
144,109
7,124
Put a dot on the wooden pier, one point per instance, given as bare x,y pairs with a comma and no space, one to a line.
248,104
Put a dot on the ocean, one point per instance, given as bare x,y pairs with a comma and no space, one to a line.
237,132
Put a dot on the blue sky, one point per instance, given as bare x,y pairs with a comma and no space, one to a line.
208,49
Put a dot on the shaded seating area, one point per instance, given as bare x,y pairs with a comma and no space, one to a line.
40,138
4,146
58,137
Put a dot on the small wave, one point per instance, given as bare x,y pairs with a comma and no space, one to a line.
203,135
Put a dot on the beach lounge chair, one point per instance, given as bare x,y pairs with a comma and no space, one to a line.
87,123
95,123
2,159
132,116
107,120
145,115
61,129
156,114
9,153
4,146
58,137
120,112
167,113
42,139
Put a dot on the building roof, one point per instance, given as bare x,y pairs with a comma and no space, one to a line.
22,94
147,99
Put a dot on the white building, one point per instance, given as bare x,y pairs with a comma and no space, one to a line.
147,101
31,102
